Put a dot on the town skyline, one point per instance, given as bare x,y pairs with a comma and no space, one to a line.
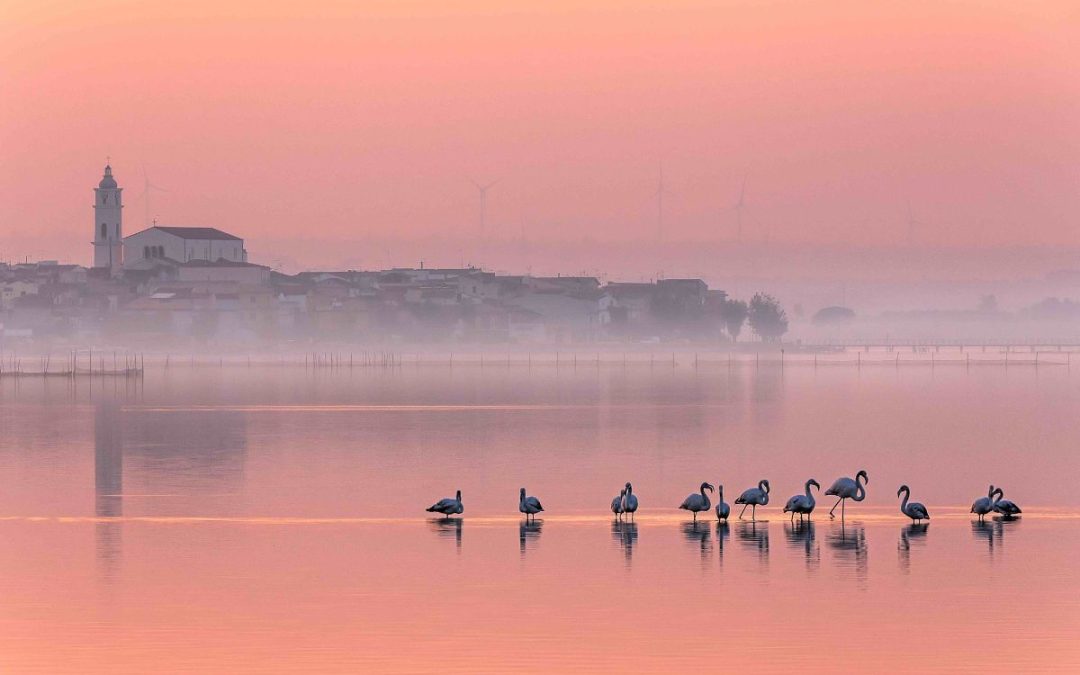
372,125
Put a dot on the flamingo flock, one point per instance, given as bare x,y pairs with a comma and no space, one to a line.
803,505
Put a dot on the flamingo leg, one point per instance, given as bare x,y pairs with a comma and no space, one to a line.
753,513
743,511
831,514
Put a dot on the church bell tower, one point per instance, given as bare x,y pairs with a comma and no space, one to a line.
108,235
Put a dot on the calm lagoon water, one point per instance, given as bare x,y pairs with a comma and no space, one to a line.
271,520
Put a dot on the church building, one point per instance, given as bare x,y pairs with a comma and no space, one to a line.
114,252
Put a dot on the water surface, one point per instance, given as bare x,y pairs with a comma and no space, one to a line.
270,520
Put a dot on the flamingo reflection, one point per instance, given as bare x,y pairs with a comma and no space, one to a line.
529,531
755,535
849,543
992,532
447,528
723,531
913,533
699,535
801,535
625,534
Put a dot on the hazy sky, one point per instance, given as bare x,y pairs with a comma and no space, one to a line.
346,122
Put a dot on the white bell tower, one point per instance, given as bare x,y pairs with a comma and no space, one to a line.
108,235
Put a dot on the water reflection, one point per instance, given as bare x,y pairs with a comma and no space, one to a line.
801,536
755,535
914,533
699,535
529,534
993,532
108,485
723,531
188,451
626,535
848,541
448,528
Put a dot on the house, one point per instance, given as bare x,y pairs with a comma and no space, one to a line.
223,270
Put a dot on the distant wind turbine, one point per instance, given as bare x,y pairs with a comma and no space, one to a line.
483,189
911,223
739,207
661,190
148,189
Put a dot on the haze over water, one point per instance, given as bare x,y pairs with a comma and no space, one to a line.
271,520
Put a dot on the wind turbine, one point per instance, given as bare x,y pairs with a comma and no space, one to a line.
483,189
148,188
738,207
660,191
911,223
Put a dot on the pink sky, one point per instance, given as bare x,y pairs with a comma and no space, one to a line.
297,122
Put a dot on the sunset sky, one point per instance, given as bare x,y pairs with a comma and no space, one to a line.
315,128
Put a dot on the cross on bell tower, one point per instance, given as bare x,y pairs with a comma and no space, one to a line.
108,234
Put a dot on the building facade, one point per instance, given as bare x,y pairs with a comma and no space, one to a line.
183,244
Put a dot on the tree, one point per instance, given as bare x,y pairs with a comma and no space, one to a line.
767,317
733,315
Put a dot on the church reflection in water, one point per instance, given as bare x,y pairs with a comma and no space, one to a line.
184,456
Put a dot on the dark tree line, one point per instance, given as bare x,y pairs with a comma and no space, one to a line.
765,315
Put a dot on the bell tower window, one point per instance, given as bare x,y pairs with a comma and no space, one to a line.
104,230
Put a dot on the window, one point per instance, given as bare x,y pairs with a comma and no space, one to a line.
104,230
146,251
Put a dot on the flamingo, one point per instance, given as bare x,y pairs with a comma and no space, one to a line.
984,505
913,510
754,497
846,488
723,510
629,504
802,504
697,502
448,506
617,503
1005,507
530,506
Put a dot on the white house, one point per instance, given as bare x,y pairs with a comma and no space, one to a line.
182,244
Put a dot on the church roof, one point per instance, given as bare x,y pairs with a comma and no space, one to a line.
197,233
107,181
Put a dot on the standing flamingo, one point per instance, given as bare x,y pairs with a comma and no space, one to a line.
984,505
530,506
754,497
617,503
847,488
697,502
802,504
723,510
630,503
915,510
